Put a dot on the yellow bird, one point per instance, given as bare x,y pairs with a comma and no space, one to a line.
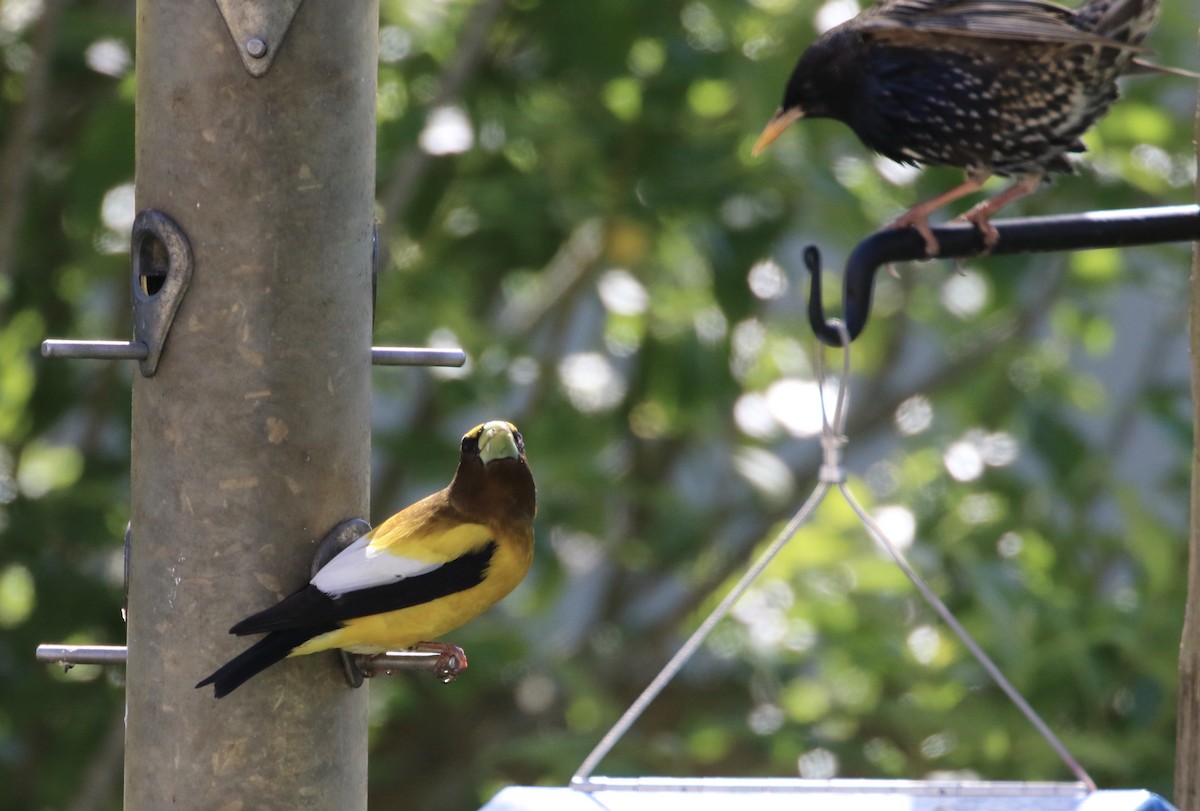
422,573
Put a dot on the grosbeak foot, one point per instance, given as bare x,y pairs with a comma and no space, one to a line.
451,660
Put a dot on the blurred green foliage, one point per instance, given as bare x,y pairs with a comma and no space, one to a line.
567,192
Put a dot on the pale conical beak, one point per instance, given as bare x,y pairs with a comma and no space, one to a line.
775,127
496,441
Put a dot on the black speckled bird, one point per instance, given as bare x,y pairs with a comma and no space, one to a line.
996,87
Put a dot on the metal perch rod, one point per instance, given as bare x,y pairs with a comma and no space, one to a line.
1094,229
70,655
135,350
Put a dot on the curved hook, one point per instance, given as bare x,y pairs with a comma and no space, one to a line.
1093,229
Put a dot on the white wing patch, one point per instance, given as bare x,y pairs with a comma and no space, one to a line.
360,567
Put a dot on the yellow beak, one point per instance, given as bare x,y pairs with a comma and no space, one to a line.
775,127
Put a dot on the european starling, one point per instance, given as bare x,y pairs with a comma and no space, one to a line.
996,87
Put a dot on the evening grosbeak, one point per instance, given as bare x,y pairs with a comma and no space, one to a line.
422,573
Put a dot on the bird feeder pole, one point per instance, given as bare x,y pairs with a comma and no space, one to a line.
1187,735
251,437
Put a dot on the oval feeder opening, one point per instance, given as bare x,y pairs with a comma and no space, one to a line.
153,262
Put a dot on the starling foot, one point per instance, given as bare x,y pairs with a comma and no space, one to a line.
918,215
991,237
980,215
920,221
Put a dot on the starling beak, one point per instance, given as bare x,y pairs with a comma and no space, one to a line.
994,87
775,127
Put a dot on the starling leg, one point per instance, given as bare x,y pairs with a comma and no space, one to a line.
918,215
980,215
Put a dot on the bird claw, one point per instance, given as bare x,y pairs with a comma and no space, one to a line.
981,214
451,661
980,219
447,666
920,222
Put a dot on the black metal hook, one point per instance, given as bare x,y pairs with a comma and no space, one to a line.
1094,229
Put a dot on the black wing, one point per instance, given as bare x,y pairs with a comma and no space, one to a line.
312,607
982,19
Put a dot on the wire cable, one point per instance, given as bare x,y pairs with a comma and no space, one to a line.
831,473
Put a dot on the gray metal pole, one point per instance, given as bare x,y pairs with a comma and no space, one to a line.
252,438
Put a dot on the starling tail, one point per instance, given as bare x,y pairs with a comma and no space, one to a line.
994,87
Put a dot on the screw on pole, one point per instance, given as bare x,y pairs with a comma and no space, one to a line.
259,29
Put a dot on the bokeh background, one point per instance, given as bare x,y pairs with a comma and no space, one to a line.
566,191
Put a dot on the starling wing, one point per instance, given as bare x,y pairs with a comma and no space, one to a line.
911,21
